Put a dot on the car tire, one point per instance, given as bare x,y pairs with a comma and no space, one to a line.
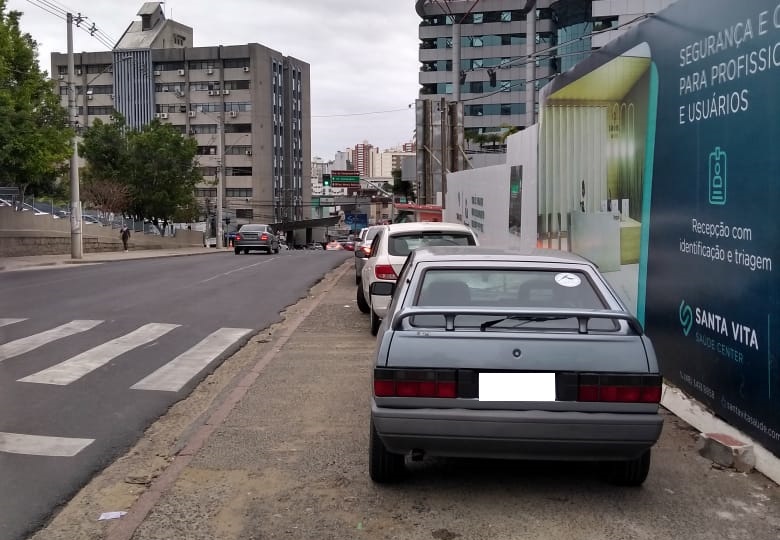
632,472
246,251
375,321
361,300
383,467
237,251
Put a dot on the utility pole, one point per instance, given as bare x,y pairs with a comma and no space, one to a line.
222,161
76,246
220,176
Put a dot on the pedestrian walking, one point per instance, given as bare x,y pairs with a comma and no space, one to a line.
124,234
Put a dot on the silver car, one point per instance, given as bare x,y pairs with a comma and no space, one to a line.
499,354
256,236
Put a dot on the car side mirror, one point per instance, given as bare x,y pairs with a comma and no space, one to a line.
382,288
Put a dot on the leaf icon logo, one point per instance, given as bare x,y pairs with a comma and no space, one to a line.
686,317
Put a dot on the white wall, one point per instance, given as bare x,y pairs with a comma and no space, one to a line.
480,198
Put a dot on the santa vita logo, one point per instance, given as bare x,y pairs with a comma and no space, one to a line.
686,317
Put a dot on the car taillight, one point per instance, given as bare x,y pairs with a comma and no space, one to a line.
432,383
238,237
620,388
264,237
384,271
366,249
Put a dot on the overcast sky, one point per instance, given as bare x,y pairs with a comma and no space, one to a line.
362,53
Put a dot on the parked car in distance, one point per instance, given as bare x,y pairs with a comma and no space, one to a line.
347,243
389,249
256,236
315,246
334,246
498,354
362,249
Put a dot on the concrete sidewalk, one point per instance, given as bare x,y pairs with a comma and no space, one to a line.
38,261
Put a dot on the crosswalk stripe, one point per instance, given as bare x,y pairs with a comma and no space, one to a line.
74,368
40,445
27,344
6,322
174,375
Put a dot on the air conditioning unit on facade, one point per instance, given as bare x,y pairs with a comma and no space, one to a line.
164,116
181,72
61,77
157,73
211,92
89,96
191,114
246,69
112,96
209,71
226,92
157,115
233,114
78,72
248,152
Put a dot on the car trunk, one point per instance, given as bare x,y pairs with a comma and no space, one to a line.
525,365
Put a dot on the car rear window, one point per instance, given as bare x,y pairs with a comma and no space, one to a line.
254,228
370,234
403,244
509,288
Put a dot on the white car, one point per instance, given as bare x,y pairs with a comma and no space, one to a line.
389,249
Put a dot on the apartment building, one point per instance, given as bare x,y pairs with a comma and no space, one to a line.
248,106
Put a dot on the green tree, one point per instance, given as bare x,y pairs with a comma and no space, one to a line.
401,188
103,180
35,140
162,171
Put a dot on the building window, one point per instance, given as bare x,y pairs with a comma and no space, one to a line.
200,64
238,171
203,129
238,192
478,18
207,150
238,150
206,192
168,66
235,63
106,111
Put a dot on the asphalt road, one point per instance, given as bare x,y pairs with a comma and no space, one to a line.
80,350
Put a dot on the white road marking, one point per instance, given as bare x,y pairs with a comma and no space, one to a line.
174,375
73,369
39,445
6,322
27,344
237,270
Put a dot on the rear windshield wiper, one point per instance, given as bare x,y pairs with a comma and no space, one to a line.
524,318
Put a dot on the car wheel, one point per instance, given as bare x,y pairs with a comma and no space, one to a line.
375,321
383,467
357,279
237,251
246,251
276,250
361,300
632,472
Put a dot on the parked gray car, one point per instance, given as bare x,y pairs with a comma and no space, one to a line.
256,236
499,354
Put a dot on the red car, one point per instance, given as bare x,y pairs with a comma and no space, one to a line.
347,244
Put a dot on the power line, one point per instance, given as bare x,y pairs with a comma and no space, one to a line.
61,13
361,113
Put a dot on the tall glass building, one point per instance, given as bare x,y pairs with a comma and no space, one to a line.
501,55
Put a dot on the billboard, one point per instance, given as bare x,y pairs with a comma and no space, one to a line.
657,159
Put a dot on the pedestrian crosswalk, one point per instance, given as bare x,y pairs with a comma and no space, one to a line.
172,375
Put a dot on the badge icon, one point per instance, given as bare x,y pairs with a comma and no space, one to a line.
717,176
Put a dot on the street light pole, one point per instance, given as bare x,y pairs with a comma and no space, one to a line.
76,247
220,175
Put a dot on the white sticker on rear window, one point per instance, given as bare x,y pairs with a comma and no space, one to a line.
566,279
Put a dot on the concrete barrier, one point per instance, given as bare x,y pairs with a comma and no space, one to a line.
24,234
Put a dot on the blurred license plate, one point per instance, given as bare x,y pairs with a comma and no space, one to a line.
517,386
